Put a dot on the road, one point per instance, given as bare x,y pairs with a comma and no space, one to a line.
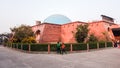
106,58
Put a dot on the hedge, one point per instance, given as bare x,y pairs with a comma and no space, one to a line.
25,46
53,47
39,47
101,44
109,44
79,46
67,47
93,45
44,47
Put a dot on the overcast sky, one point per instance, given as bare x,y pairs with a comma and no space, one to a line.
17,12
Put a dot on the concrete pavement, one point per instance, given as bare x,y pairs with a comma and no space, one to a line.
106,58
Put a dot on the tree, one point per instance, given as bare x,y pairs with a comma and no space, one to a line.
22,33
29,40
4,37
82,32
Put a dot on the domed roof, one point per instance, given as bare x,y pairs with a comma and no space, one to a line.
57,19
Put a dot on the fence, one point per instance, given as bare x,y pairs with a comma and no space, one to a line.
52,47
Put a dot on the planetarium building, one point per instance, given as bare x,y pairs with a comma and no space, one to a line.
60,28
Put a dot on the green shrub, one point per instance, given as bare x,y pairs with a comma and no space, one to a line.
92,38
39,47
44,47
25,46
67,47
53,47
109,44
19,45
101,44
79,46
81,33
93,45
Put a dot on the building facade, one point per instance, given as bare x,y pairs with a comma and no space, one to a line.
104,30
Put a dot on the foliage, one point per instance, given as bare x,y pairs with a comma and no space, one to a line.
92,38
79,46
21,33
93,45
29,40
44,47
4,37
39,47
101,44
109,44
82,32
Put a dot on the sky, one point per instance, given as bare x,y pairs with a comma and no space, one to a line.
16,12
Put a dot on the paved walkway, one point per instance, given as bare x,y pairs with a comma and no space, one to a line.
107,58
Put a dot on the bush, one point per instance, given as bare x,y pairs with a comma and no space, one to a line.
92,38
101,44
28,40
53,47
109,44
82,32
79,46
19,45
44,47
93,45
67,47
39,47
25,46
14,45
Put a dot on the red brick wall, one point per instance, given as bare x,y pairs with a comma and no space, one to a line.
98,29
51,33
68,32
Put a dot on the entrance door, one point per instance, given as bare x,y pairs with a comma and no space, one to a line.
116,33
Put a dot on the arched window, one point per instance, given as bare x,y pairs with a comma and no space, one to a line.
37,32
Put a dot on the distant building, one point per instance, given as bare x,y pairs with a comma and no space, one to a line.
104,30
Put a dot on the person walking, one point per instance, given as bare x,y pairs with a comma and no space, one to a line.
63,48
115,43
58,48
